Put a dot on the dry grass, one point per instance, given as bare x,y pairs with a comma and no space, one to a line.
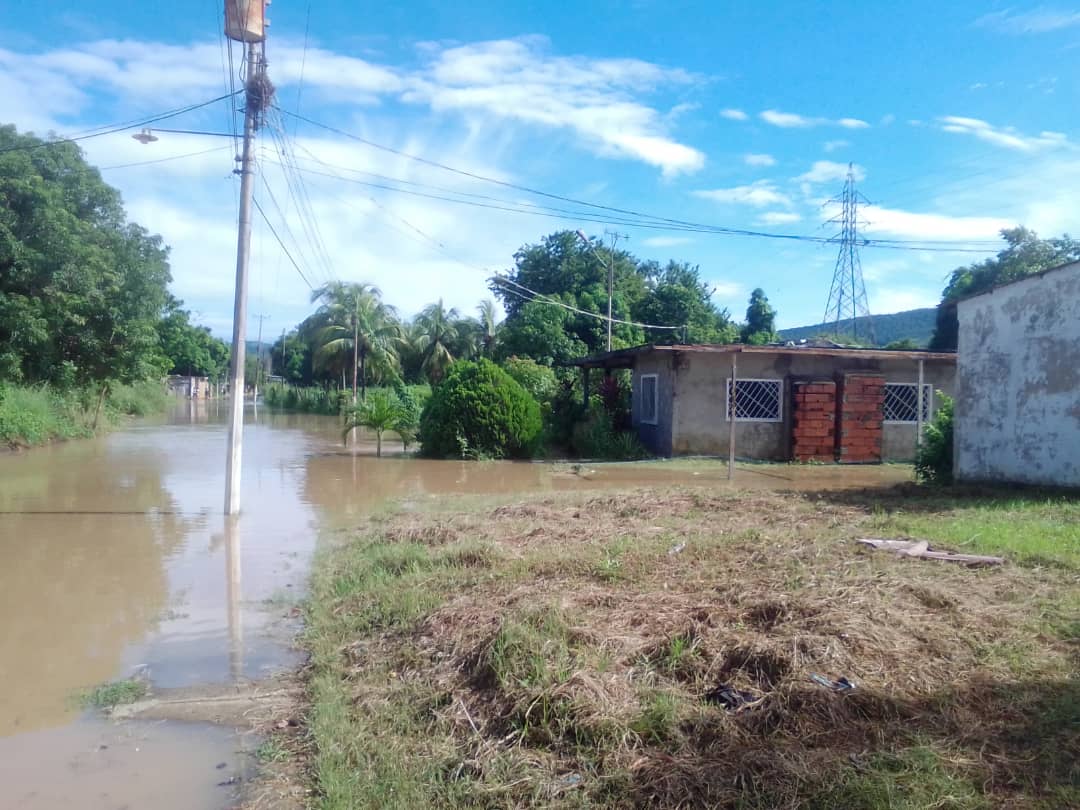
561,652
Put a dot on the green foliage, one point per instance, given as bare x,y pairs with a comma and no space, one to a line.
407,423
304,400
915,325
81,289
113,694
677,296
190,350
934,462
138,399
906,345
380,412
760,326
479,409
596,437
1025,254
542,332
538,380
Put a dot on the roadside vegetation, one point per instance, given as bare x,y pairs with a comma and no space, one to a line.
115,693
88,327
34,415
656,648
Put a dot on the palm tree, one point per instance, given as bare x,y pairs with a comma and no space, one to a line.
380,413
355,319
437,332
489,324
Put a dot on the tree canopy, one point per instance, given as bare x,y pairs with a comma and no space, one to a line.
1025,253
760,326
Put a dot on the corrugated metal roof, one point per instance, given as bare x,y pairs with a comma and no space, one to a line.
624,357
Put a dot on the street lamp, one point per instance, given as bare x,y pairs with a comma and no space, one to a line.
611,273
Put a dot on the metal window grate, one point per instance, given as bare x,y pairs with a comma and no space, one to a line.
648,398
902,402
756,400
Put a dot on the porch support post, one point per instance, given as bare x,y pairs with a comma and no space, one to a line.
585,386
731,419
919,409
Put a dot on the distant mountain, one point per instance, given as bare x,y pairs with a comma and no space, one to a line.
915,324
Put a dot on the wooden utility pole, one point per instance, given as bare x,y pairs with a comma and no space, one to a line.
245,22
732,402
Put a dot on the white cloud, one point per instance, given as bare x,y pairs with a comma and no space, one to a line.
734,115
788,120
884,300
726,290
595,98
1006,137
832,146
826,171
758,195
666,241
759,160
914,225
1037,21
778,218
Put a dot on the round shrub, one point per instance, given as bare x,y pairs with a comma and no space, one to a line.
479,411
538,380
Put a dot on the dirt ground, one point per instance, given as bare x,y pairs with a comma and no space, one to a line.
687,648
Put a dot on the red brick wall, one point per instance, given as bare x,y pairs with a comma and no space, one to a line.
860,399
814,421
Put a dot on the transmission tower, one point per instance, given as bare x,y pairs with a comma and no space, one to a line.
847,295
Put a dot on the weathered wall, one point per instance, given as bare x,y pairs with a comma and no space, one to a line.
1018,382
697,413
656,437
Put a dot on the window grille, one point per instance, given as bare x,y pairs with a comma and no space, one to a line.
902,402
756,400
648,399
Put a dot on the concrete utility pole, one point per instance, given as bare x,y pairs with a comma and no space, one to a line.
615,237
258,354
245,21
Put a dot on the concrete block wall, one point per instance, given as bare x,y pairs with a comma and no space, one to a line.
814,421
860,420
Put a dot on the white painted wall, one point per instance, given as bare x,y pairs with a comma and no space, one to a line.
1018,382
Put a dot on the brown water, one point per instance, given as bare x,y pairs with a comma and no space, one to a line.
115,558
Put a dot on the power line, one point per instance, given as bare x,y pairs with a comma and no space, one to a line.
163,160
544,299
112,129
277,238
639,219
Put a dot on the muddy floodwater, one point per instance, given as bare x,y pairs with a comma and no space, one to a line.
115,560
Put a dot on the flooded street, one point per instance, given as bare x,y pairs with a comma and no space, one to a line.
115,559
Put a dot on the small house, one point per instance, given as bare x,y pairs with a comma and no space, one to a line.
1018,381
803,402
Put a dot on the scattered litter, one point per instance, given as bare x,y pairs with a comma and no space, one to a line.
730,698
923,550
232,780
222,766
839,685
679,549
570,780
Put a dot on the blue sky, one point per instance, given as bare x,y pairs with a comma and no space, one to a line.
959,118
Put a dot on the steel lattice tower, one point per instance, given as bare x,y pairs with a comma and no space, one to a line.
847,295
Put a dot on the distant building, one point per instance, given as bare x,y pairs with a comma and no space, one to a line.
805,402
1018,381
191,387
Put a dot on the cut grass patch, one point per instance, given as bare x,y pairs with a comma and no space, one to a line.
555,653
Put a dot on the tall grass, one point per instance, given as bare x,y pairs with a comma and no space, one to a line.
37,414
313,399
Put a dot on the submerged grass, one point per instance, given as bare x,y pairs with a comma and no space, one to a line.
115,693
577,651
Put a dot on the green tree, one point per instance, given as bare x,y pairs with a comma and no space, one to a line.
436,335
488,316
677,296
355,321
760,326
1024,254
190,350
542,332
564,267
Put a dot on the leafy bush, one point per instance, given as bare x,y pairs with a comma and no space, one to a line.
934,461
31,415
597,437
479,410
138,399
538,380
312,399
